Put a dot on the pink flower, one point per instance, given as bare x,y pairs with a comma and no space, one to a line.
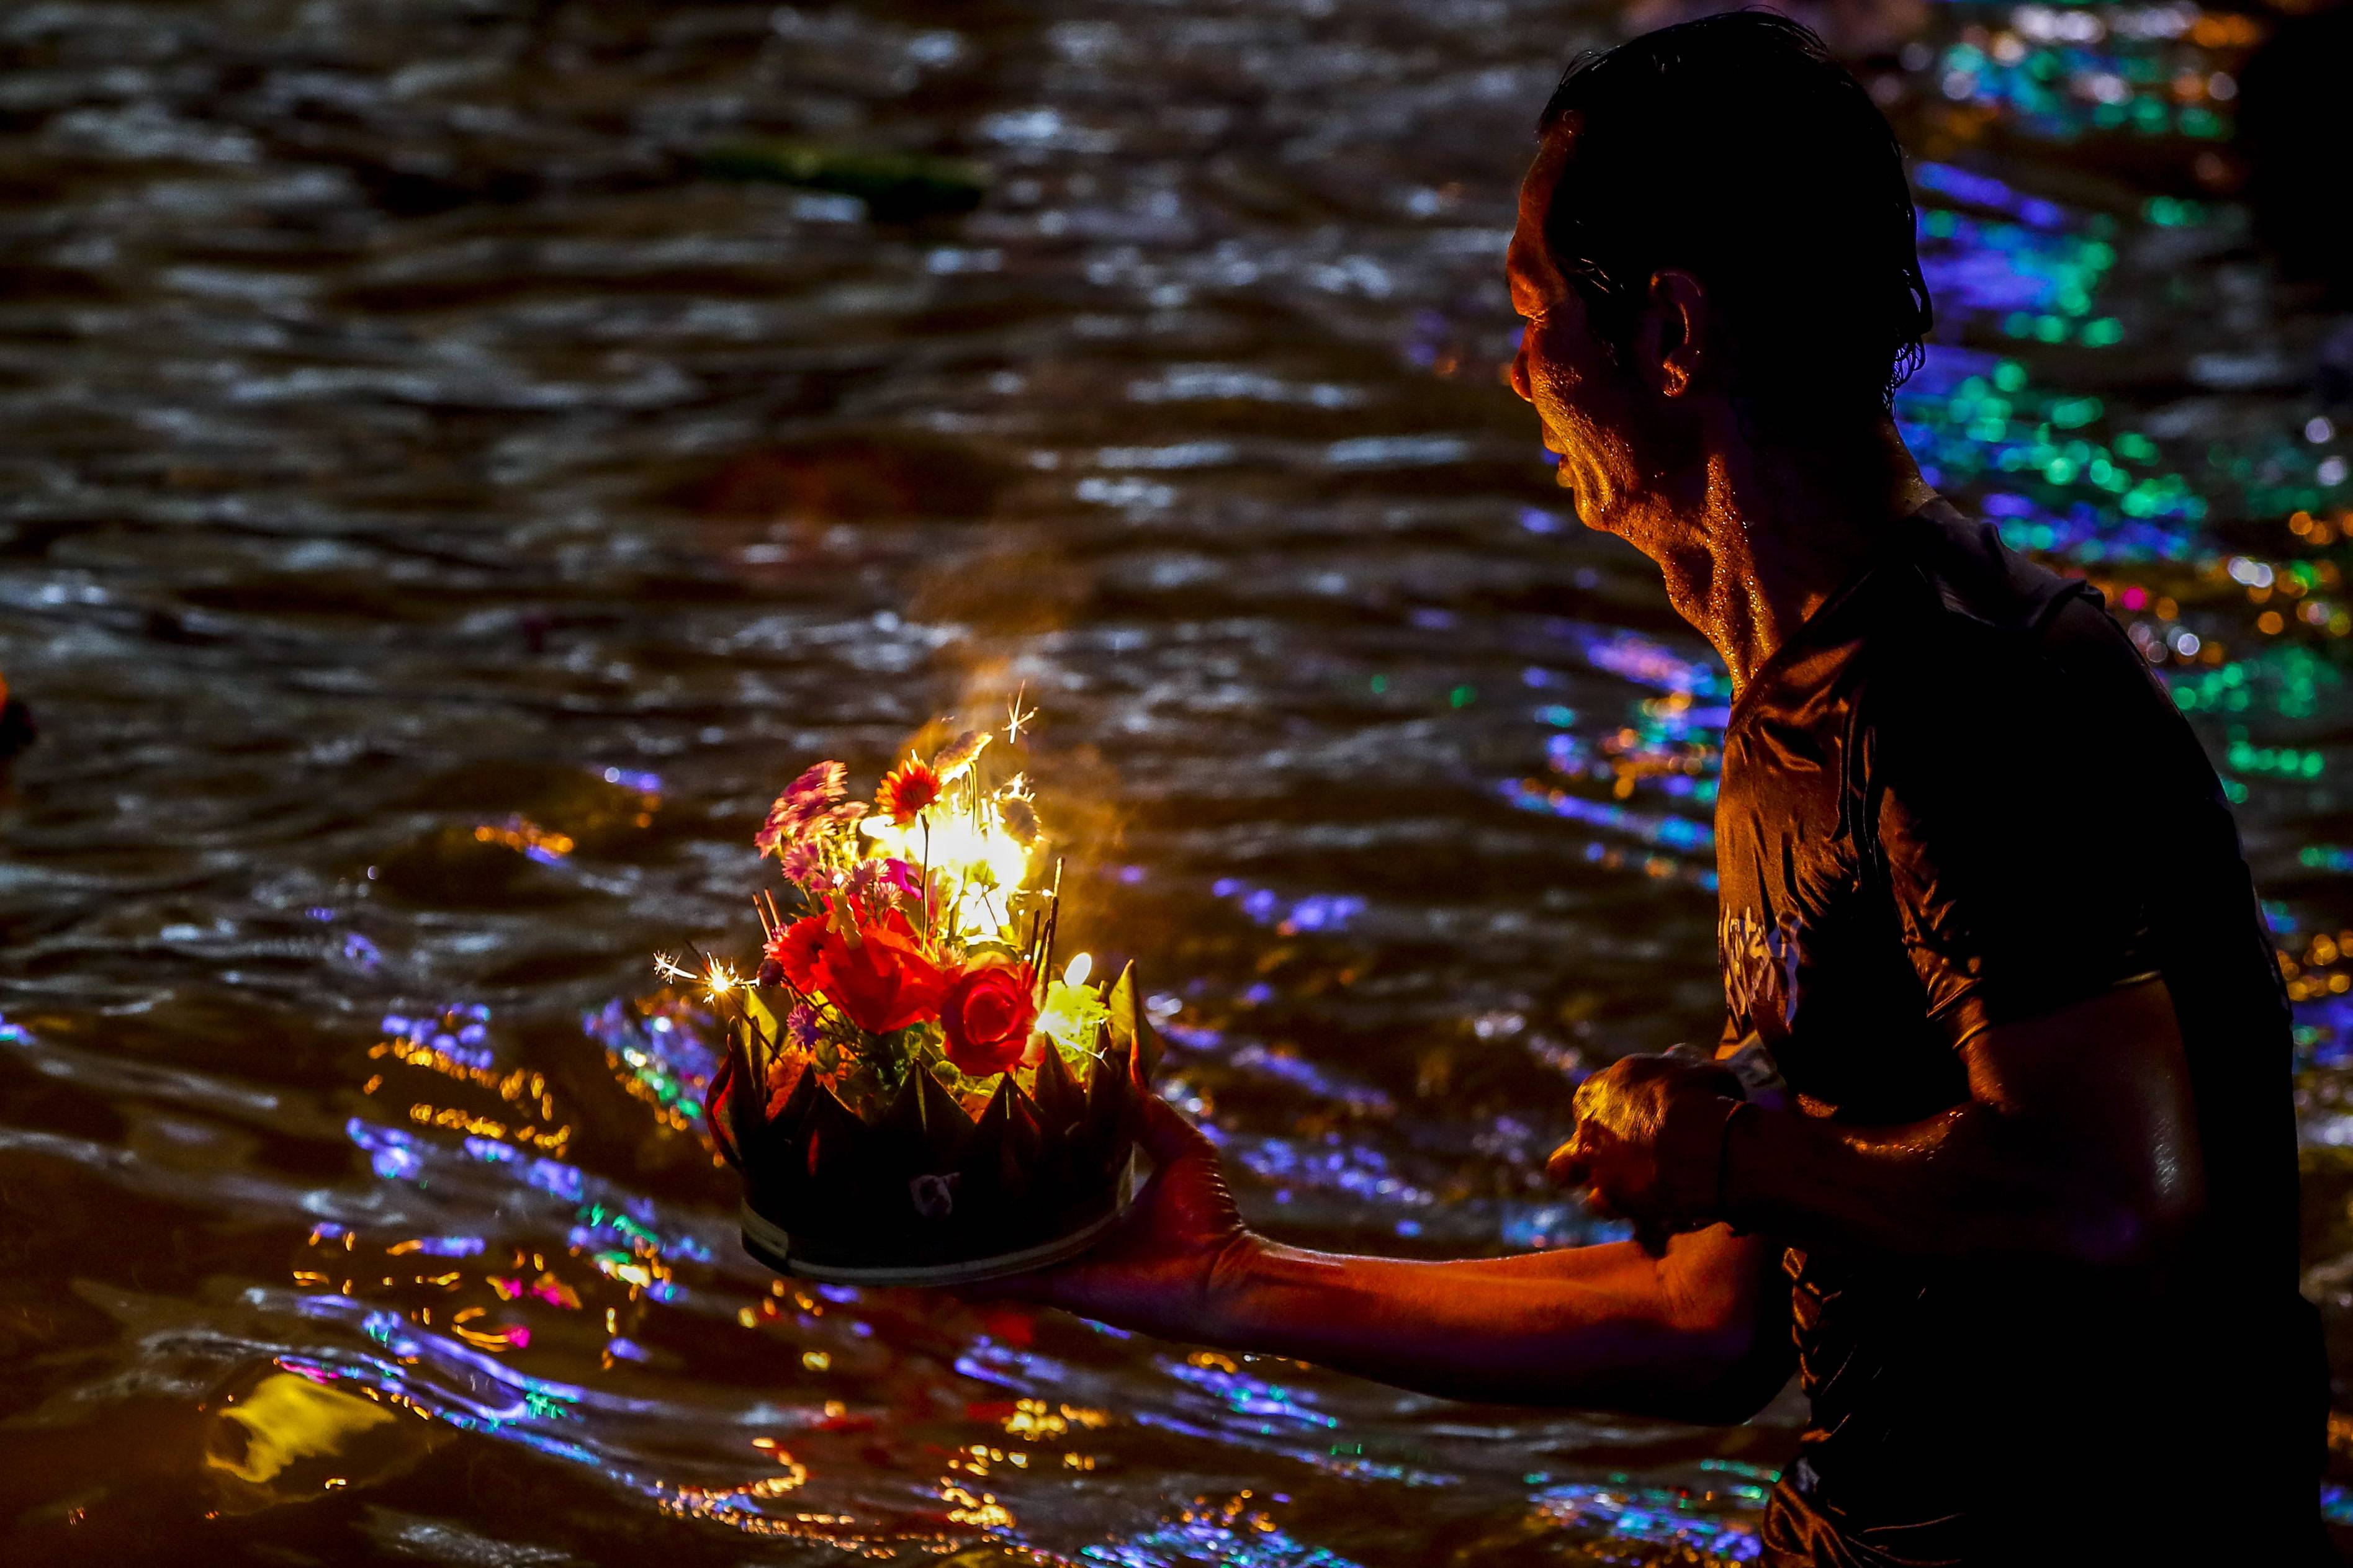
819,785
805,800
804,863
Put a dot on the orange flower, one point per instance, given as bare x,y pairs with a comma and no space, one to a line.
784,1076
906,790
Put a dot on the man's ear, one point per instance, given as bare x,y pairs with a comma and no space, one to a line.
1677,339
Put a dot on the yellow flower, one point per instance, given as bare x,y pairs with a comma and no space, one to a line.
1073,1017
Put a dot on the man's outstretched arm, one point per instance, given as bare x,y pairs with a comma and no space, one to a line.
1689,1335
1701,1333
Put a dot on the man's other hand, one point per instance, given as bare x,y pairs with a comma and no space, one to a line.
1160,1268
1649,1143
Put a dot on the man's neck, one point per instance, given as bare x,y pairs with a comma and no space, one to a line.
1774,530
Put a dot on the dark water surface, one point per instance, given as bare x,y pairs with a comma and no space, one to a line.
449,487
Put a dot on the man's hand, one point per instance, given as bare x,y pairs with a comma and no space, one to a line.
1650,1144
1159,1270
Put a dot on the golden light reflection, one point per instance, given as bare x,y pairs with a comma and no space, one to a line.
984,1512
727,1504
516,1086
1035,1419
526,1091
551,1141
506,1336
288,1418
525,837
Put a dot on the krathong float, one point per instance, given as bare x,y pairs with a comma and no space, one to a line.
911,1093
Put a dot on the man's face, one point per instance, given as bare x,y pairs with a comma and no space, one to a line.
1596,415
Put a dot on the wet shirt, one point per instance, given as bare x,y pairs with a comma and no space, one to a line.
1958,797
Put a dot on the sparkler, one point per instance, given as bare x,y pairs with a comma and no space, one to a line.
717,976
1016,716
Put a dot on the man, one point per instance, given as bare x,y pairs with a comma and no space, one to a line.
2026,1216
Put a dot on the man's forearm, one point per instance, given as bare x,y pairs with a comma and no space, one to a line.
1600,1327
2078,1142
1963,1183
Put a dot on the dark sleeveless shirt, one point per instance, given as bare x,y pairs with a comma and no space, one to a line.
1958,797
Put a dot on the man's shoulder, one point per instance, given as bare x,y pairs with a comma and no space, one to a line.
1963,615
1976,652
1963,581
1954,643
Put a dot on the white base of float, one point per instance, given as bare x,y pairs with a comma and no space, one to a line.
771,1246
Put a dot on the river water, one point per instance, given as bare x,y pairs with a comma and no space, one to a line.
453,474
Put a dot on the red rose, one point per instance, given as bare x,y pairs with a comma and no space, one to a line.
884,980
798,949
986,1016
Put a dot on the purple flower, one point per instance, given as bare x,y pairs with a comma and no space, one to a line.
885,885
801,1027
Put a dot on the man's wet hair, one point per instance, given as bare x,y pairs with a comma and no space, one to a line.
1735,148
